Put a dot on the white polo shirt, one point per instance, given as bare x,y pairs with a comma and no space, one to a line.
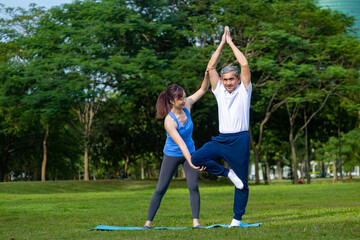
233,108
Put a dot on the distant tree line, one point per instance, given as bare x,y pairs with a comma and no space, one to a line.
79,83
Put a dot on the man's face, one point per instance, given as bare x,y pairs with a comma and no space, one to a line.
230,81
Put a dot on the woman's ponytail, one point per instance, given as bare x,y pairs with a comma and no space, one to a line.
173,92
162,105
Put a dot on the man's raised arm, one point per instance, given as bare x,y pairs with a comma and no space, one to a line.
245,70
211,67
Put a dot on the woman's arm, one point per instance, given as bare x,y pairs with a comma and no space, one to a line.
171,126
199,93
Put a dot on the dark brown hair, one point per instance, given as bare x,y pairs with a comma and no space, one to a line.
163,104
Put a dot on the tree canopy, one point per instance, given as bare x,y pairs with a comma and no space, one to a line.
79,82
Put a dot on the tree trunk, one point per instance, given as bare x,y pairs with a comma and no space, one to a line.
86,161
334,171
350,176
323,173
278,167
267,166
340,160
257,157
3,169
148,170
293,153
263,170
126,166
142,169
307,154
44,162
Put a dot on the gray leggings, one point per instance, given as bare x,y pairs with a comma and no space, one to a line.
168,168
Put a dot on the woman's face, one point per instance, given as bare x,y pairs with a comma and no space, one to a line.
179,102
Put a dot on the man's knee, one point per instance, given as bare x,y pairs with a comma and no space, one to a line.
195,158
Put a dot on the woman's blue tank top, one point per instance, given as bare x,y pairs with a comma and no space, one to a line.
171,148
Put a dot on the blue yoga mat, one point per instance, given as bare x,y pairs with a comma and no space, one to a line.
112,228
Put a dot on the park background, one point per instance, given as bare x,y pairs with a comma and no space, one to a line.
79,83
78,86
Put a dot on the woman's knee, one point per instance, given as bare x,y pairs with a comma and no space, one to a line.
194,189
160,191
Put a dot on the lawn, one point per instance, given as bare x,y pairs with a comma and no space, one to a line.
65,209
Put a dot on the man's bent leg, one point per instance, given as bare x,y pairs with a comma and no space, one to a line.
207,156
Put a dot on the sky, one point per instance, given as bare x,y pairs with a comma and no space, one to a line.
25,3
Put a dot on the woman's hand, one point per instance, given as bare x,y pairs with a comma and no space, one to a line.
207,76
200,169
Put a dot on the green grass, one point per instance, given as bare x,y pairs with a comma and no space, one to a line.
65,209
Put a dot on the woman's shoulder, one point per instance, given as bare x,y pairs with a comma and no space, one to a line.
168,118
169,121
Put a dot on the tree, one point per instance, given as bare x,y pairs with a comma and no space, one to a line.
107,61
91,45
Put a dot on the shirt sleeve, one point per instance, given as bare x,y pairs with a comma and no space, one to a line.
247,91
216,90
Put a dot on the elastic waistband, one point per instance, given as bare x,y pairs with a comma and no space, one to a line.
233,134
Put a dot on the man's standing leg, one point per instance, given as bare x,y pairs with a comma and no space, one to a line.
237,155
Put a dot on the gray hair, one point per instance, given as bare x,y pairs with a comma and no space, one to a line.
228,69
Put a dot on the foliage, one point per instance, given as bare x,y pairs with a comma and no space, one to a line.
349,149
100,65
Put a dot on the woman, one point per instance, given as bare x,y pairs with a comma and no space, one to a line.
175,107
